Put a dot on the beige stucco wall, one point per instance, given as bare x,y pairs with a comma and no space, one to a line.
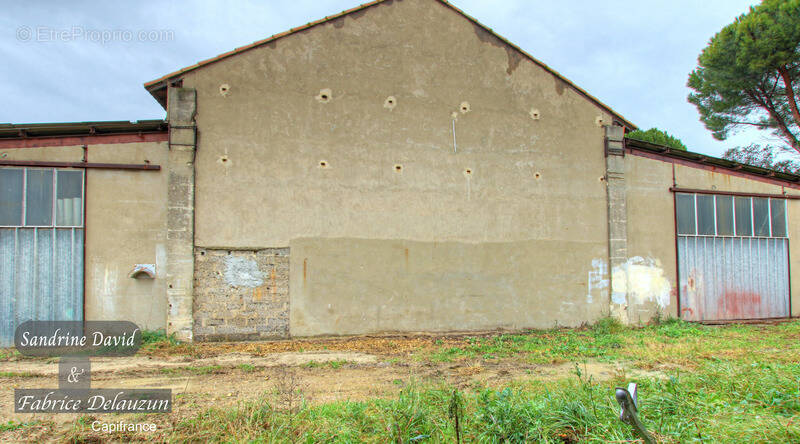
259,183
360,286
651,225
125,225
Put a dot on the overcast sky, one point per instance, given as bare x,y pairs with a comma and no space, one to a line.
633,55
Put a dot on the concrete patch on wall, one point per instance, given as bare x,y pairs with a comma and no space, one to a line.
360,286
641,281
241,294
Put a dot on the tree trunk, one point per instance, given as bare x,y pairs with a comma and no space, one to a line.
767,105
787,82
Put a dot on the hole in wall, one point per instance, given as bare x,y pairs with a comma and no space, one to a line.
464,108
602,179
398,168
537,175
534,114
467,171
390,102
323,164
202,253
224,89
325,95
598,120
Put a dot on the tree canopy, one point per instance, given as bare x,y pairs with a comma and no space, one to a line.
749,74
765,156
657,136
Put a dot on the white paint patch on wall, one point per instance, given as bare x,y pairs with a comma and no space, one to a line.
642,280
242,272
597,280
106,284
161,259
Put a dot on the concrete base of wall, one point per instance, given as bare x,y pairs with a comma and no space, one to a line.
241,294
347,286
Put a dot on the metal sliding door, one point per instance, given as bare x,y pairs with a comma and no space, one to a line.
41,246
733,257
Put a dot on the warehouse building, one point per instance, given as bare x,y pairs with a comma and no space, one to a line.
396,167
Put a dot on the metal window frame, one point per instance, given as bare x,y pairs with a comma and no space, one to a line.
733,211
53,212
53,227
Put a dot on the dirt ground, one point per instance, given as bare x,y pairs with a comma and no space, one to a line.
222,374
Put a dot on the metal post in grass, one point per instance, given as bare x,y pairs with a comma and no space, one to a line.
629,411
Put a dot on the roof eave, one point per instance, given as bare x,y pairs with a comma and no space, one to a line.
61,129
711,161
159,92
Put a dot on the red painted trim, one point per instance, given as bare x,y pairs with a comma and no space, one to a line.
96,139
733,193
84,165
712,168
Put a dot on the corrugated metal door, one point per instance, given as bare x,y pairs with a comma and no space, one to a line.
41,247
733,257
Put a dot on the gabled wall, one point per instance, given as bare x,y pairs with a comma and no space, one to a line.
338,142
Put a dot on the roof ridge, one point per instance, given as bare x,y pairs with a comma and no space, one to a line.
159,83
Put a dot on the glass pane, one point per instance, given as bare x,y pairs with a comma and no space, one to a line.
685,207
724,216
705,214
761,216
744,225
778,208
39,198
68,198
10,196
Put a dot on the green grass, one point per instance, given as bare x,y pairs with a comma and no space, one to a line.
194,370
150,337
247,368
733,384
19,375
685,343
14,425
332,364
8,353
721,402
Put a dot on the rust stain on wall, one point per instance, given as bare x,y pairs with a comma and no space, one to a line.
739,304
